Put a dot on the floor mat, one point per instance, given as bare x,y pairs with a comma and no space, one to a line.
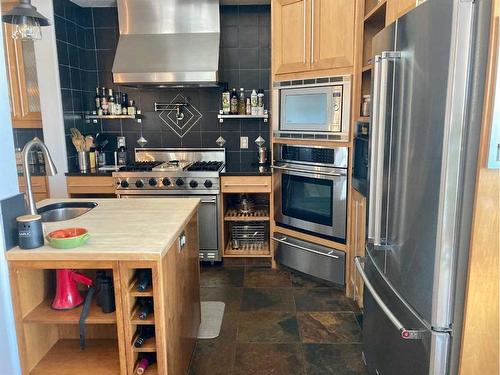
212,314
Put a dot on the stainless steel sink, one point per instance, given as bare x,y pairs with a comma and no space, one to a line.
64,210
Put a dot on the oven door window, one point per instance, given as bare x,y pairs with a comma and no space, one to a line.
308,199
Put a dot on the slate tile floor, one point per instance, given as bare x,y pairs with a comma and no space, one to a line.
278,322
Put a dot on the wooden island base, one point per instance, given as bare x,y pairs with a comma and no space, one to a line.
48,339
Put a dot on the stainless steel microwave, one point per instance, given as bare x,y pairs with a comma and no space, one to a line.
312,108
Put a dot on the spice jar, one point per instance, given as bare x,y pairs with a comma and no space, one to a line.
365,106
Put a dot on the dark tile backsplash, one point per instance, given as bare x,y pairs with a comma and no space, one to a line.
86,43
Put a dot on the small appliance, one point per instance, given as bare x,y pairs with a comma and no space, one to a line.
312,109
67,295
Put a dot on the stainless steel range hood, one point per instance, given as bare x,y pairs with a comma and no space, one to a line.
168,43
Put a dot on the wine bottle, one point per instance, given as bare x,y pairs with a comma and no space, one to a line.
142,334
144,278
145,360
97,99
145,307
226,101
234,102
242,102
111,102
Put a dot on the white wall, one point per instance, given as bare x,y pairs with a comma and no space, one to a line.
50,99
8,188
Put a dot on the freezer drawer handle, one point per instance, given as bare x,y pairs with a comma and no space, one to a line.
283,241
407,334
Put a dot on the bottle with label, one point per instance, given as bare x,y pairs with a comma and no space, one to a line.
234,102
248,106
241,102
143,362
226,101
118,104
253,103
97,99
111,102
124,103
143,333
260,102
104,101
131,110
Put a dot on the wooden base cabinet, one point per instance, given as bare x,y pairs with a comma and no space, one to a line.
48,339
312,37
358,233
39,184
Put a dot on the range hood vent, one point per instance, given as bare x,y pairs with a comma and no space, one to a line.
168,43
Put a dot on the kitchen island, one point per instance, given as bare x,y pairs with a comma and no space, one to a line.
126,235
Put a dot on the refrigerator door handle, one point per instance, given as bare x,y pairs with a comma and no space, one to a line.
374,130
407,334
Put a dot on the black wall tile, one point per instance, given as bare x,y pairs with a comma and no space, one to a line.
249,36
244,62
60,28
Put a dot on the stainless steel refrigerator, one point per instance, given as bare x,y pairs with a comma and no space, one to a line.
427,95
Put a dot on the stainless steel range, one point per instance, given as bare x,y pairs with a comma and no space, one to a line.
180,172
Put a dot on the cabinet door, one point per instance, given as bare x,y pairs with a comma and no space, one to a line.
291,35
404,6
332,43
360,242
23,81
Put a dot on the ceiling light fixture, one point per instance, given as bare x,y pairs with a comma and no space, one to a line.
26,21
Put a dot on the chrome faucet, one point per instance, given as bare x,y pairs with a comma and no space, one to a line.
51,170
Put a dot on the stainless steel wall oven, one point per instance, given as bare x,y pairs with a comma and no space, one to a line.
311,189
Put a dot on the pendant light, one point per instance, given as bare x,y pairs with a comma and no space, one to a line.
26,21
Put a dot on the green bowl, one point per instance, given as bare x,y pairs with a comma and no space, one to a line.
68,238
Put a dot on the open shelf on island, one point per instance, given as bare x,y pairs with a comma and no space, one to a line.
148,346
222,116
45,314
261,214
65,357
134,318
135,293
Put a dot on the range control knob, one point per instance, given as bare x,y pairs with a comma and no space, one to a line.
193,184
139,183
166,182
152,182
179,182
208,184
124,184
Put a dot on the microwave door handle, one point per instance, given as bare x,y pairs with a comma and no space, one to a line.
333,174
374,130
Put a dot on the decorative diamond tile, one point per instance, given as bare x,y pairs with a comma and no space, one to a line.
220,141
190,118
260,141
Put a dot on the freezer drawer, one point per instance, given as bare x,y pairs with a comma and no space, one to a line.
385,350
312,259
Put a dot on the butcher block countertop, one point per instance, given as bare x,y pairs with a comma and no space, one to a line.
120,229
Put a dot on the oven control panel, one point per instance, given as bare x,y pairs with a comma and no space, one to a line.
166,183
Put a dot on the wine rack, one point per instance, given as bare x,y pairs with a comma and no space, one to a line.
136,296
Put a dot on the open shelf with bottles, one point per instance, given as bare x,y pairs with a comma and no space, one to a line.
221,116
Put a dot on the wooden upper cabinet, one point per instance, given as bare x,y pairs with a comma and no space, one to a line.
312,36
23,81
291,35
398,8
333,34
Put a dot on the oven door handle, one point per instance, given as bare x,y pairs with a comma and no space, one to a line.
334,174
213,201
283,241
